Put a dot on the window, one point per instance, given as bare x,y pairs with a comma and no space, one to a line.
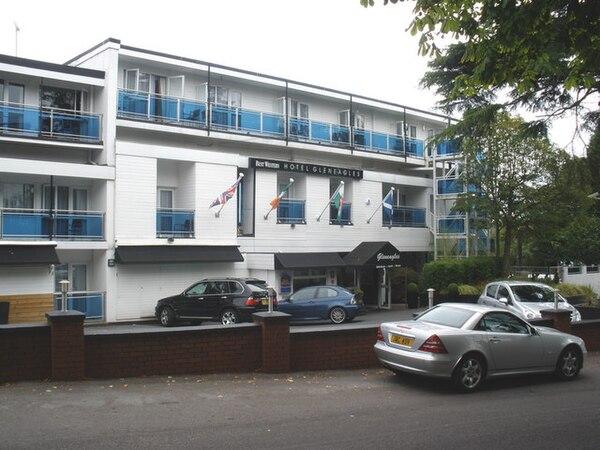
503,293
327,292
291,207
499,322
305,294
308,277
61,98
197,289
18,196
223,96
343,215
135,80
165,198
76,274
58,199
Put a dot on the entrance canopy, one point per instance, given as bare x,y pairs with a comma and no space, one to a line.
28,254
148,254
303,260
374,254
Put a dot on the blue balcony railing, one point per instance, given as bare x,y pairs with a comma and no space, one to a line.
32,121
40,224
451,225
291,211
171,110
404,216
88,302
447,148
344,219
451,186
174,223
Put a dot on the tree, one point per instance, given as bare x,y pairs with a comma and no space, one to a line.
506,168
544,55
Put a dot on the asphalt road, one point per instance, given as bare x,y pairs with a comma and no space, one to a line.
336,409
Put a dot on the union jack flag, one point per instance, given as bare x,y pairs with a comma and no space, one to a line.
225,196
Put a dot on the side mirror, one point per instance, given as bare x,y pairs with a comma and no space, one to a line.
504,301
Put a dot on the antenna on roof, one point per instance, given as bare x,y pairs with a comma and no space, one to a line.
17,29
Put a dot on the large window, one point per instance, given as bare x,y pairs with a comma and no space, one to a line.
76,274
308,277
18,196
61,98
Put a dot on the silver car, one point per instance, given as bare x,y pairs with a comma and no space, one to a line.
468,343
525,299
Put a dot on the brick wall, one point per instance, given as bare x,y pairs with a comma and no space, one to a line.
203,349
24,352
348,348
589,331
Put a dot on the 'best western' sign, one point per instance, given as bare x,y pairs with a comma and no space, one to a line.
312,169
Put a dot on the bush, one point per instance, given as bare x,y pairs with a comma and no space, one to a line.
467,289
440,273
453,291
576,290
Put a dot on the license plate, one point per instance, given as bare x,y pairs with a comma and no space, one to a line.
401,340
265,302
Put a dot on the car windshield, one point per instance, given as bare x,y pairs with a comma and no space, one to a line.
450,317
534,294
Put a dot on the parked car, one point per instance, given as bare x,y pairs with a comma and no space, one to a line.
469,343
321,303
228,300
525,299
263,285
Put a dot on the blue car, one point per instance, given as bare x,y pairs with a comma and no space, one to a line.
321,303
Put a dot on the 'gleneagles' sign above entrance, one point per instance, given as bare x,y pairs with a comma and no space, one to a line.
312,169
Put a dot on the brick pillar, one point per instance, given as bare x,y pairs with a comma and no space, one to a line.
275,341
67,348
561,319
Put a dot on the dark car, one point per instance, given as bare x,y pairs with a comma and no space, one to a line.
228,300
320,303
264,285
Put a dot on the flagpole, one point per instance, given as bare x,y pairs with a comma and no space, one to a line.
329,201
217,214
266,216
380,204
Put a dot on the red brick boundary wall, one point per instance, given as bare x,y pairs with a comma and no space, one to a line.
64,349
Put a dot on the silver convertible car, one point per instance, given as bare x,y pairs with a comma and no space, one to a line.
468,343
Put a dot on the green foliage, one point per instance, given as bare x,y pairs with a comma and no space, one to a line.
467,289
452,290
440,273
576,290
412,288
580,240
544,54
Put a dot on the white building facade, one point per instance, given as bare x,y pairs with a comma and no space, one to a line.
109,163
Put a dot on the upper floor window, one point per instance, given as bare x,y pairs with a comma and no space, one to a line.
18,195
136,80
61,98
219,95
295,108
12,93
358,122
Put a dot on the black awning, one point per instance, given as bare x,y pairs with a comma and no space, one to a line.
302,260
374,254
152,254
28,254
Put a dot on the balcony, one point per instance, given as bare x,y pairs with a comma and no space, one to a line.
447,148
451,225
88,302
291,211
34,121
404,216
344,219
174,223
450,186
195,114
41,224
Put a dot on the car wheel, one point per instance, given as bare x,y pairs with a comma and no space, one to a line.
568,364
337,315
167,317
229,317
469,373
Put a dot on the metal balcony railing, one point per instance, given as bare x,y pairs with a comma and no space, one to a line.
193,113
34,121
91,303
18,223
404,216
291,211
177,223
344,219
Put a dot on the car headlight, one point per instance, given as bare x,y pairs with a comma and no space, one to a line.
530,315
575,316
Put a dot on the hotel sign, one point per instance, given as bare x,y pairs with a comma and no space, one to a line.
309,169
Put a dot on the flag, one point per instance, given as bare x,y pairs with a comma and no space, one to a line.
388,202
338,200
225,196
275,202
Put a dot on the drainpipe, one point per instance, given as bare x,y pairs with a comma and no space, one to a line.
208,115
52,222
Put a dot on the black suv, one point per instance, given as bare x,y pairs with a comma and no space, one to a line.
229,300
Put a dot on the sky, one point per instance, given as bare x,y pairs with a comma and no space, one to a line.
336,44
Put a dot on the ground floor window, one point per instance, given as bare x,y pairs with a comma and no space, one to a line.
76,274
308,277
